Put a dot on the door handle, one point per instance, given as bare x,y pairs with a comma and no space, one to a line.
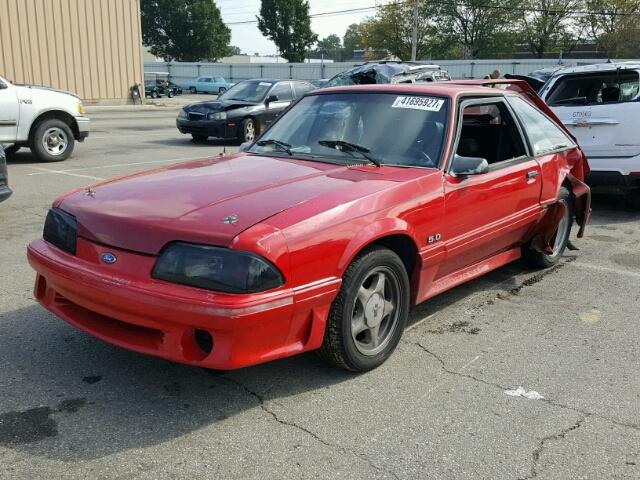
532,175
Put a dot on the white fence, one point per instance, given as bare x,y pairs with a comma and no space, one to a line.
234,72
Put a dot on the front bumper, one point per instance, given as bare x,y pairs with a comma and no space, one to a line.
211,128
84,126
121,304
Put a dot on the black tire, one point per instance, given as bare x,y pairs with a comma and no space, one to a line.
633,198
154,94
340,346
199,138
193,90
538,259
42,140
247,126
221,90
11,151
170,94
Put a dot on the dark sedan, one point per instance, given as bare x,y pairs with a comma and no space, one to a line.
243,111
5,191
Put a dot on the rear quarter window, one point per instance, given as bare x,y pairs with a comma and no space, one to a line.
595,89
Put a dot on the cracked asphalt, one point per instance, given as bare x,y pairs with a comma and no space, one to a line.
72,407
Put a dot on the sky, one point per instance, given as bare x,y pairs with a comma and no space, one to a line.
250,40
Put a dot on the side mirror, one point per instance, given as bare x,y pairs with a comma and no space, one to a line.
245,146
272,98
463,166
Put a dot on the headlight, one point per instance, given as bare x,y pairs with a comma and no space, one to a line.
61,230
214,268
217,116
80,108
183,114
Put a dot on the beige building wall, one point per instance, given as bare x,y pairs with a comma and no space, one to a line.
90,47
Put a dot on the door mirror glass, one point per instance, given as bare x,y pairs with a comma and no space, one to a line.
272,98
463,166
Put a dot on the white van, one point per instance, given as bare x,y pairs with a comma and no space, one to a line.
601,106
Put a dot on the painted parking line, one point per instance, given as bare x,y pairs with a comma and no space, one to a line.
71,171
49,171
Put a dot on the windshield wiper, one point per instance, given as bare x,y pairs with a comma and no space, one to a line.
350,148
285,147
576,100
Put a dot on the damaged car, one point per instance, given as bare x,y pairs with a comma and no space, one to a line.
389,72
355,205
242,112
600,105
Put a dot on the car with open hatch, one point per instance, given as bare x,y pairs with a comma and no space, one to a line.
600,105
357,203
242,112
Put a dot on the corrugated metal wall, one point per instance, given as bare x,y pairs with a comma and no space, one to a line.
90,47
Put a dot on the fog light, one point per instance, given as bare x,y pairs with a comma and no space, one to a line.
204,340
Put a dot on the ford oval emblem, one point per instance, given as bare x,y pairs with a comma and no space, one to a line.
108,257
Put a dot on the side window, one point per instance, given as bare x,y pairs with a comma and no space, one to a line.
207,80
595,89
301,88
489,131
219,80
544,135
283,92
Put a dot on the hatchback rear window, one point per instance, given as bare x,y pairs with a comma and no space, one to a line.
595,89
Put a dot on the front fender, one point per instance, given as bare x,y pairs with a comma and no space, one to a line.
370,234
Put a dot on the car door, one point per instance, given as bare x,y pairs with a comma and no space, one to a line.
278,99
488,213
601,110
9,112
205,84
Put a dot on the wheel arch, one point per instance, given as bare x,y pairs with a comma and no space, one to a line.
59,115
394,234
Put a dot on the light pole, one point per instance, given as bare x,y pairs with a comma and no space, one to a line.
414,33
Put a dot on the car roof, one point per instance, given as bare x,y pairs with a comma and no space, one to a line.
600,67
444,89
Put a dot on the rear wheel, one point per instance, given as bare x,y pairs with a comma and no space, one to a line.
154,94
193,90
199,138
52,141
558,242
170,94
369,314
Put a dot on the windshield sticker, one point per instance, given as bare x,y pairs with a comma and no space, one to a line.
264,84
429,104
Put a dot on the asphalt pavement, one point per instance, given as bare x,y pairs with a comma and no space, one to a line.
447,405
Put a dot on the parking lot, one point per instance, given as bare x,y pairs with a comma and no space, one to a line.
442,407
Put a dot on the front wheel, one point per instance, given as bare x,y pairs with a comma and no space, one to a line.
559,240
52,141
221,90
248,130
369,314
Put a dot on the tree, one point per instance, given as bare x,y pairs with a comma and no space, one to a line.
391,29
476,27
352,40
548,25
330,47
233,50
287,24
184,30
613,25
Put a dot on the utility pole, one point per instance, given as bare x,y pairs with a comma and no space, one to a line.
414,34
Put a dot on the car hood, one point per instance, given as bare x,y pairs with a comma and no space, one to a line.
206,201
47,90
218,106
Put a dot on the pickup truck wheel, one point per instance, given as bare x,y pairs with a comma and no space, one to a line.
52,141
369,314
560,240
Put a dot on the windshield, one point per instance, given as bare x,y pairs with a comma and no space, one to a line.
370,127
247,91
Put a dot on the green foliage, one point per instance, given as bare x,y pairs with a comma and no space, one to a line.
287,24
352,40
618,33
547,25
233,50
184,30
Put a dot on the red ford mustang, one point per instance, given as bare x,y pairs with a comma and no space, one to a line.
358,203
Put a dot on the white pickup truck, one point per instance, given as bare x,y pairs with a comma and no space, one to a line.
47,121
